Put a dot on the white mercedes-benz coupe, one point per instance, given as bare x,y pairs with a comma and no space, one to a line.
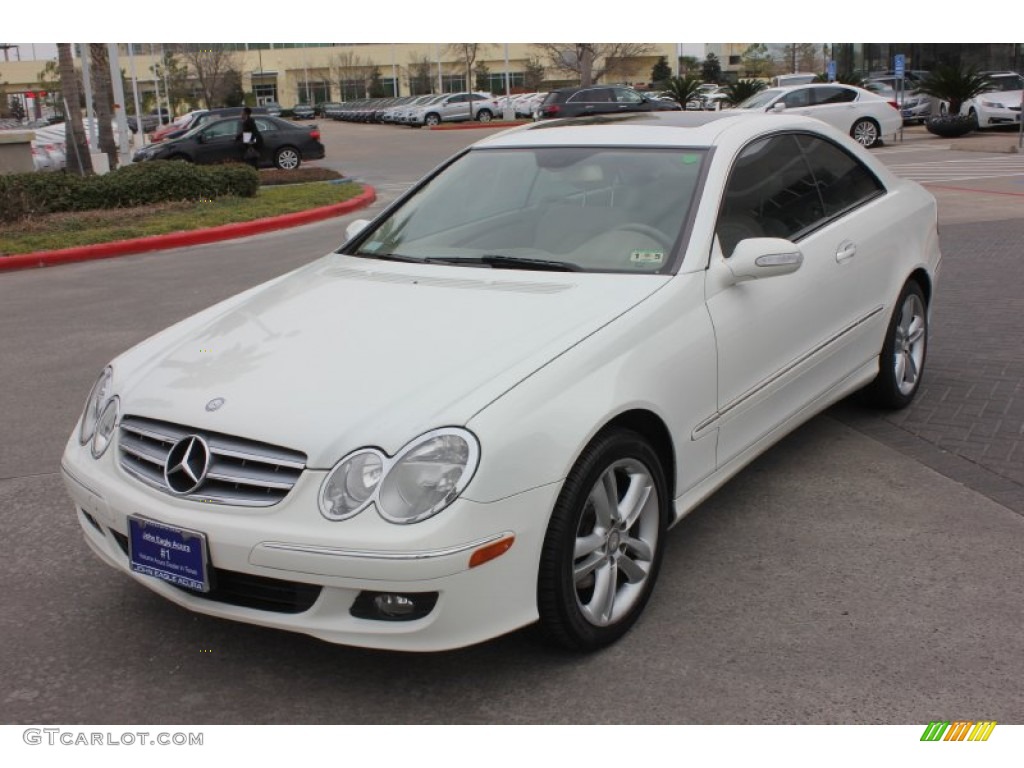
489,406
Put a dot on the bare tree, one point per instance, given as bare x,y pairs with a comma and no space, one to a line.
758,61
103,100
74,132
592,61
800,57
215,67
467,54
420,81
352,72
534,74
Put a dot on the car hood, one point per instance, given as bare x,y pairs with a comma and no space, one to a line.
349,352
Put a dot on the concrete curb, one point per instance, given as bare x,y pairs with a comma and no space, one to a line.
182,239
470,124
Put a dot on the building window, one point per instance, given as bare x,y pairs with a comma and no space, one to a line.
735,60
313,92
453,83
353,89
496,82
265,92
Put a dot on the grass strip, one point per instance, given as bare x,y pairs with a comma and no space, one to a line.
68,230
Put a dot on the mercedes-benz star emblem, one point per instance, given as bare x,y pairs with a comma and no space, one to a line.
214,404
187,464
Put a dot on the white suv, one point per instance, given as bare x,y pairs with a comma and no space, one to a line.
455,108
1000,106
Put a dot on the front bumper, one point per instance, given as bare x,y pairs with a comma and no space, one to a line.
318,568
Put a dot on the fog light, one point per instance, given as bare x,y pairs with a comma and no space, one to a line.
393,606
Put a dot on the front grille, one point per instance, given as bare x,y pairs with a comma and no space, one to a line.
248,591
241,473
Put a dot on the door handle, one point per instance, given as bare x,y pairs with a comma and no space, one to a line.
846,251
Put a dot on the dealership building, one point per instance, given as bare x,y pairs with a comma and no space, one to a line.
292,73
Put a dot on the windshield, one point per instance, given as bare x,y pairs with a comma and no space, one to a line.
762,99
572,208
1008,82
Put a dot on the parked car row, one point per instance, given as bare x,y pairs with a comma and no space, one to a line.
428,110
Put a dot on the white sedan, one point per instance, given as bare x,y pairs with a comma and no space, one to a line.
864,115
1000,106
490,405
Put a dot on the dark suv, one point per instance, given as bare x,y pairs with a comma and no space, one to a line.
599,100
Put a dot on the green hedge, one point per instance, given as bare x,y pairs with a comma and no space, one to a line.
30,194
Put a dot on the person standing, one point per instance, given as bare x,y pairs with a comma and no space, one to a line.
250,138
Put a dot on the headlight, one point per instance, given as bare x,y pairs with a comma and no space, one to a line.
351,484
94,406
992,104
105,428
421,480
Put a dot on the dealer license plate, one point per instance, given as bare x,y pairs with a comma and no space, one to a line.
176,555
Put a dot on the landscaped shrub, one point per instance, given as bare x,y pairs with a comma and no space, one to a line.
272,176
30,194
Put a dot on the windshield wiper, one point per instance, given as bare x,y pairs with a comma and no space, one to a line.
497,261
390,257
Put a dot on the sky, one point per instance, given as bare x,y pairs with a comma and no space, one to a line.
528,21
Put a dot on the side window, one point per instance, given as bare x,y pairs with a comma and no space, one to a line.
626,96
834,95
798,98
265,126
222,128
771,192
593,96
843,180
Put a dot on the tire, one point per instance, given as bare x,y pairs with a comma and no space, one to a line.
185,158
603,546
431,120
901,364
866,132
287,159
484,116
973,114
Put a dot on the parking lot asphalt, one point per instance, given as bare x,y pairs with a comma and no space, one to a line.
865,570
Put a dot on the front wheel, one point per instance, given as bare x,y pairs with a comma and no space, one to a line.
603,546
431,120
901,363
865,132
287,158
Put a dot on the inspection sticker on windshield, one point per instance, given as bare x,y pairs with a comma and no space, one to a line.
647,257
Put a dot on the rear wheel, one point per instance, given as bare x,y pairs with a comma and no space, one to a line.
865,132
287,158
603,546
484,116
901,363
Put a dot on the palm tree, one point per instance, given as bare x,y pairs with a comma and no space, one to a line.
741,90
683,89
74,133
955,85
103,100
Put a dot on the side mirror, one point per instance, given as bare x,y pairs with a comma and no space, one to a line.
355,228
758,257
201,138
778,106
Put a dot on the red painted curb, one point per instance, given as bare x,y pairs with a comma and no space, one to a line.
182,239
